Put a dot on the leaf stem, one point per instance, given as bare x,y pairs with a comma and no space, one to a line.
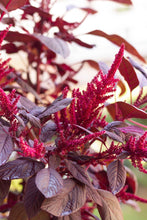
137,123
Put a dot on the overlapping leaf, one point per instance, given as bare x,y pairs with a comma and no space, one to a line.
47,131
18,212
70,200
4,188
116,175
14,4
6,144
49,182
78,172
110,209
128,72
54,44
76,215
33,198
112,130
56,106
125,111
20,168
118,41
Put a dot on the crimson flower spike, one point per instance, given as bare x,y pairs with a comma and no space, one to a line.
117,61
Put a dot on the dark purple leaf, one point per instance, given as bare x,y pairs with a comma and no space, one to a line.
118,41
31,118
49,182
73,216
71,199
110,208
54,161
115,136
20,168
131,130
55,44
6,144
125,111
78,172
93,195
14,4
116,175
25,103
18,212
112,131
48,131
80,159
129,74
4,189
27,88
55,107
33,198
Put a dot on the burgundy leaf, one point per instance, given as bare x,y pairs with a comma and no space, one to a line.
117,137
29,9
78,172
93,195
125,111
20,168
4,189
127,71
110,209
27,88
118,41
131,130
14,36
33,198
131,181
116,175
54,161
52,182
18,212
33,120
48,131
99,178
128,2
6,144
55,107
112,130
70,200
122,87
56,44
25,103
14,4
73,216
89,10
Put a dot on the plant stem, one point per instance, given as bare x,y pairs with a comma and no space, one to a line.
137,123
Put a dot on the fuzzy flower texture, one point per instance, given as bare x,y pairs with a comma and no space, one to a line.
85,112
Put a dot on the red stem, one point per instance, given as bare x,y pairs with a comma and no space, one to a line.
137,123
